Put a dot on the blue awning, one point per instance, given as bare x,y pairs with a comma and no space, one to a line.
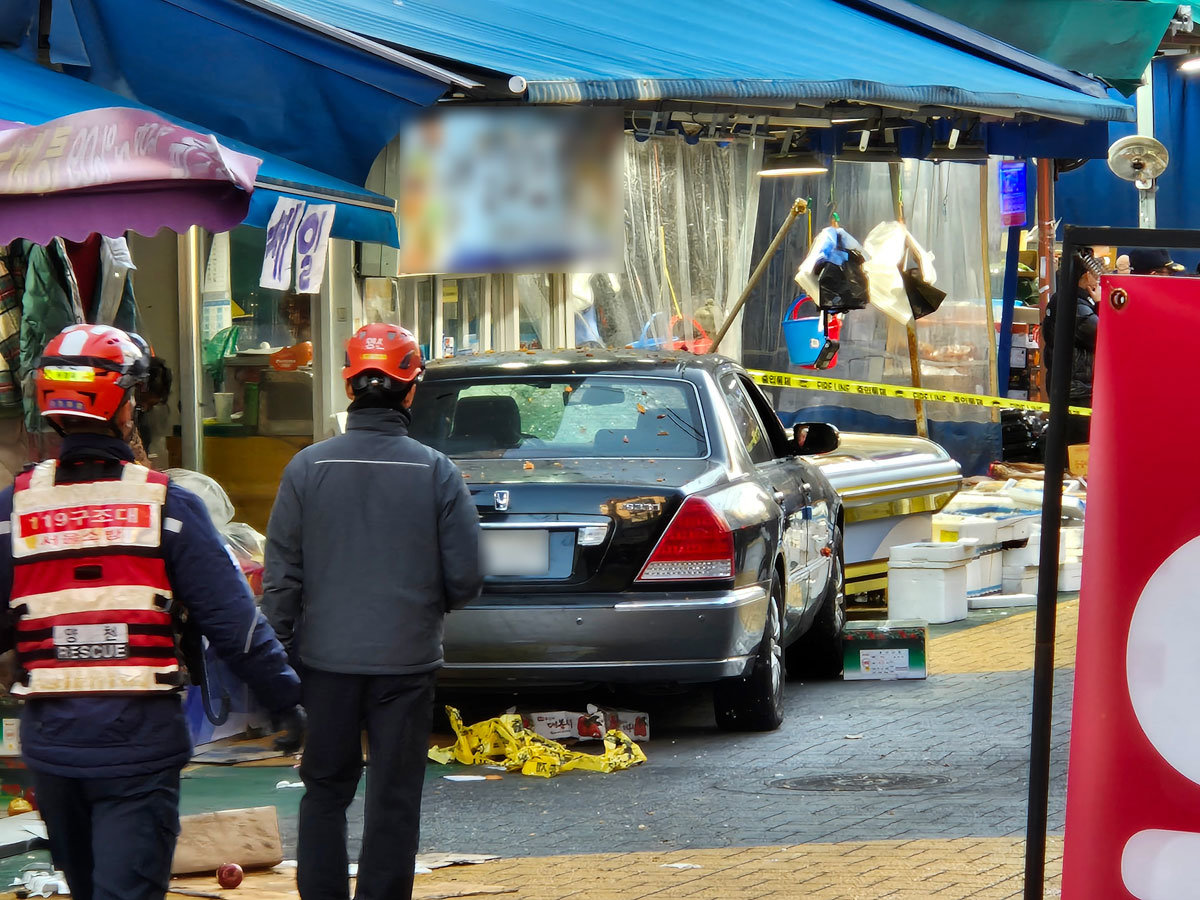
34,95
811,53
298,89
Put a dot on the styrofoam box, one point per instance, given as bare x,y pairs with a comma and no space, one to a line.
1028,556
930,553
948,528
928,581
1002,601
984,574
1070,576
1071,537
1021,581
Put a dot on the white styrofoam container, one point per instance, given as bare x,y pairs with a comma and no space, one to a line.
984,573
1023,557
924,554
1070,575
950,528
928,581
1020,581
1002,601
1071,537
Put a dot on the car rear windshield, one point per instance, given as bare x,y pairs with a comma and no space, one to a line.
572,416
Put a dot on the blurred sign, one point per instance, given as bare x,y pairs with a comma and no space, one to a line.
511,190
312,245
1133,790
1013,194
281,237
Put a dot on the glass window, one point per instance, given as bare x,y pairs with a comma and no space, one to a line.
462,314
537,322
573,416
746,420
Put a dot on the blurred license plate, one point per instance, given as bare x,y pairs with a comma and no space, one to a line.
516,552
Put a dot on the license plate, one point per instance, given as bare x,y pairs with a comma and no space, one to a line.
516,552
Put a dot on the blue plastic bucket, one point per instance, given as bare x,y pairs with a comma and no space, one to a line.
804,336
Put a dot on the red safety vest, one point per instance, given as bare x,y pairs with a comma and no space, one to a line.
90,588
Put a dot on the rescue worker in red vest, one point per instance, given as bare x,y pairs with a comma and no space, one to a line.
373,539
102,557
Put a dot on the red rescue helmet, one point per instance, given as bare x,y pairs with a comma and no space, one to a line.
87,371
381,349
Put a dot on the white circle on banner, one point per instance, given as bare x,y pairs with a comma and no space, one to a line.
1162,660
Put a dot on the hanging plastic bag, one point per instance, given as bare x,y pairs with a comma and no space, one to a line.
892,252
834,271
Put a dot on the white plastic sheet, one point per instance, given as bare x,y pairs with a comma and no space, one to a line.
888,247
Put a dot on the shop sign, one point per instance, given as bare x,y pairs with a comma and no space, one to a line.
281,237
1013,194
1133,794
312,243
113,146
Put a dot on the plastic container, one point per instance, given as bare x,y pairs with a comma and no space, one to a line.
928,581
803,335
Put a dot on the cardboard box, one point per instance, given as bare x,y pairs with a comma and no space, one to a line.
592,725
10,737
884,650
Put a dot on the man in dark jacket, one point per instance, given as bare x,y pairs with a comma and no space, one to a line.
102,556
1083,351
372,540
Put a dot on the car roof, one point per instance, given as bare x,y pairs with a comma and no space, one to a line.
576,362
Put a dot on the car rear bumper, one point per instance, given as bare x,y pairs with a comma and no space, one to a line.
634,638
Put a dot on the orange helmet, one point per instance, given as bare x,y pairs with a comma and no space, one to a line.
87,371
387,350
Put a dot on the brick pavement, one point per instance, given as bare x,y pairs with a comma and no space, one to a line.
714,800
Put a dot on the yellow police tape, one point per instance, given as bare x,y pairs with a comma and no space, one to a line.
870,389
505,741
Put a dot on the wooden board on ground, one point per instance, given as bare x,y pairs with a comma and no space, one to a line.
248,837
282,886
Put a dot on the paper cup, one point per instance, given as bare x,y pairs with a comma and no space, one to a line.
224,405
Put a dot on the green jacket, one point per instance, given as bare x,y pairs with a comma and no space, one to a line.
51,303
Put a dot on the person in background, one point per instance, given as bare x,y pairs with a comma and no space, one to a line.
104,556
1083,353
1144,261
154,393
373,539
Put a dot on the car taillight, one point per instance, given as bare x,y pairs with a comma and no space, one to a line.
698,544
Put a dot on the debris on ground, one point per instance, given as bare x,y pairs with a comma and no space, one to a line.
39,879
507,740
560,725
248,837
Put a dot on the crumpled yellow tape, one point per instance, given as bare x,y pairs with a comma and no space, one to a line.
505,741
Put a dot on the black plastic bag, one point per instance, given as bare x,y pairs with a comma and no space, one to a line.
844,286
923,297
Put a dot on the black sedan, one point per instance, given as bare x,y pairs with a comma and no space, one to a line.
646,519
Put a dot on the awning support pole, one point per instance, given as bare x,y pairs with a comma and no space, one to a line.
799,207
994,386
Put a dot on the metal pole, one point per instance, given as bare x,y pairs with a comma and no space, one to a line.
1147,203
1011,261
1047,600
191,353
914,360
994,384
1045,213
799,207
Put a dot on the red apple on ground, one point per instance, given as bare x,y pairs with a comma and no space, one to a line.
229,875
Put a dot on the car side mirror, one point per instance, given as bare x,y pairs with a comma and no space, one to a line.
811,438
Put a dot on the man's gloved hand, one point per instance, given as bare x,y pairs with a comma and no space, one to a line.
291,725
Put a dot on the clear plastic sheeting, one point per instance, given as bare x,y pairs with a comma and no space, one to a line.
941,210
689,229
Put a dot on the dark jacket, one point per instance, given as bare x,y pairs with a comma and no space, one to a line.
1083,355
94,737
372,540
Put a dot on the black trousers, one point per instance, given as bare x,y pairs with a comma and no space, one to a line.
112,837
397,712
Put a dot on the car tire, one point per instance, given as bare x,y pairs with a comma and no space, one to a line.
755,702
818,652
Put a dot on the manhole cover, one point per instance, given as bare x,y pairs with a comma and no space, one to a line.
861,782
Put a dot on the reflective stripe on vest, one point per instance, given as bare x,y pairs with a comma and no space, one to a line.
90,587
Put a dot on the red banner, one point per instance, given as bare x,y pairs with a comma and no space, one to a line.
1133,794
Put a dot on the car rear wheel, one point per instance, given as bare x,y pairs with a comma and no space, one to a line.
755,702
818,652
